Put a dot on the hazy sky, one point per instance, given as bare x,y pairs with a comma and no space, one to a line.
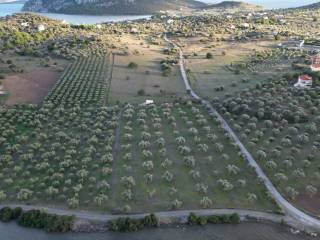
273,3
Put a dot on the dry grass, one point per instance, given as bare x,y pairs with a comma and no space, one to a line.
126,82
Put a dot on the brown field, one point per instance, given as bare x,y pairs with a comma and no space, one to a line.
30,87
310,205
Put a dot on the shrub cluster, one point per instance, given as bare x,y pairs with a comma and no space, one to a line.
8,214
48,222
133,225
193,219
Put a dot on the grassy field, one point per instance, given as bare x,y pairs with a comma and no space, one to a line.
146,76
209,76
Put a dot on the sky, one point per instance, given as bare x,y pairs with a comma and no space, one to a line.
273,3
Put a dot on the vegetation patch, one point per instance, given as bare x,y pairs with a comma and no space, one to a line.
280,125
193,219
133,225
48,222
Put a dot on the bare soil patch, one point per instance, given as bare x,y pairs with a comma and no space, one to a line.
30,87
310,205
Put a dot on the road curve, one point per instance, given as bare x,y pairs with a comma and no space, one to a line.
307,222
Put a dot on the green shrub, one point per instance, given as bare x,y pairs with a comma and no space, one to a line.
235,218
126,225
133,225
209,56
141,92
48,222
193,219
214,219
8,214
150,221
132,65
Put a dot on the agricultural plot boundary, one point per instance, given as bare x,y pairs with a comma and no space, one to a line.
83,83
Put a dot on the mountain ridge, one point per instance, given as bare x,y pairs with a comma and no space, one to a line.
233,5
100,7
310,6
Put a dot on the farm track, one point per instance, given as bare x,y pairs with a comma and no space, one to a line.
109,80
115,152
301,219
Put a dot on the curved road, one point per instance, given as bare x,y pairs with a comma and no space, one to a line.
307,222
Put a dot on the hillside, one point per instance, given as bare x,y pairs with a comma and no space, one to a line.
311,6
233,5
99,7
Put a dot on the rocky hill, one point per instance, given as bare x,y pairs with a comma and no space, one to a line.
311,6
233,5
99,7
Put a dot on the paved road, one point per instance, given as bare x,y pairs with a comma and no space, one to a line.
306,221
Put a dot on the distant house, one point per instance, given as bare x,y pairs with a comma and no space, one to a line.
315,65
245,25
25,24
134,30
149,102
304,81
170,21
41,28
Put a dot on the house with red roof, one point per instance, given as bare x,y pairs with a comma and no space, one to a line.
304,81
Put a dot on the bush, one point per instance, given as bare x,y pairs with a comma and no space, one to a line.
235,218
125,225
133,225
132,65
193,219
209,56
48,222
141,92
150,221
8,214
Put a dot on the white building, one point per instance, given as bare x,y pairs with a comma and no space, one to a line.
245,25
25,24
170,21
41,28
304,81
149,102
